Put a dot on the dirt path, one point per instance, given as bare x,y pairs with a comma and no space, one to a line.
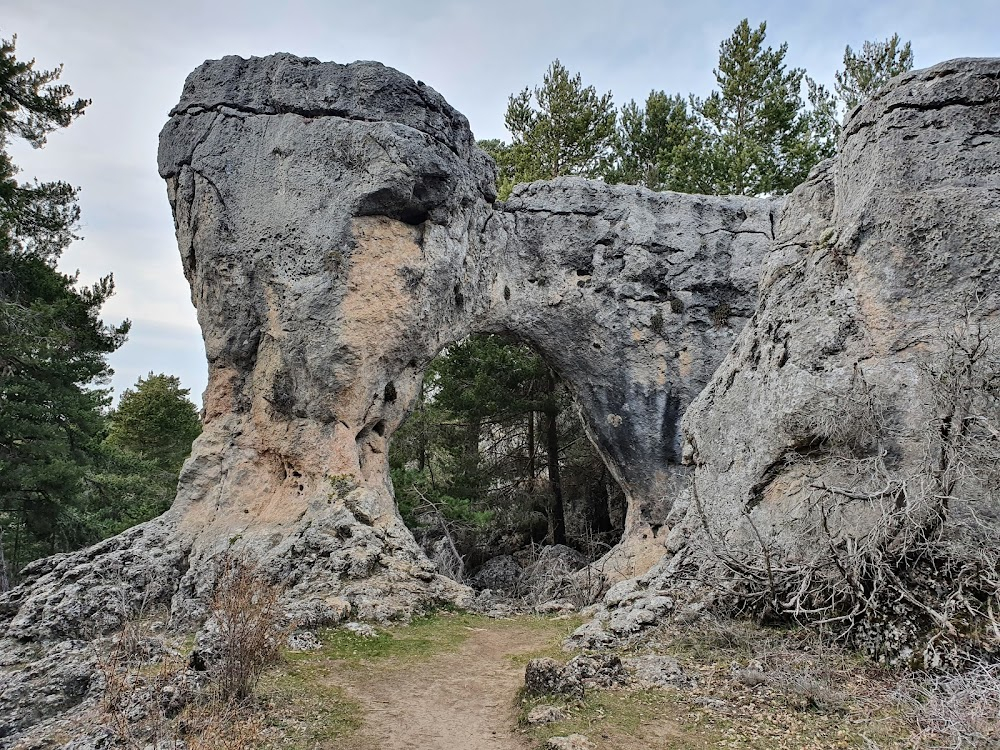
462,700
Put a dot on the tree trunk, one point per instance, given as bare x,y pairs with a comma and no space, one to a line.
422,452
4,578
557,514
531,450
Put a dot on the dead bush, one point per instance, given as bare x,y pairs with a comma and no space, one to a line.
248,626
898,561
957,712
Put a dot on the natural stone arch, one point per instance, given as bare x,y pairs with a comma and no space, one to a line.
357,226
338,227
287,175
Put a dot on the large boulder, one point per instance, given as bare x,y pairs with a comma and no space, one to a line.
844,452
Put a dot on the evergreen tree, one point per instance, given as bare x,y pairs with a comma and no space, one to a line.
495,438
868,70
660,146
52,342
156,421
559,128
760,129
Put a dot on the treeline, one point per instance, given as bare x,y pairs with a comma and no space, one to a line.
72,471
495,453
759,132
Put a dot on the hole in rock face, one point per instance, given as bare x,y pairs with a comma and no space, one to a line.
389,394
494,448
379,428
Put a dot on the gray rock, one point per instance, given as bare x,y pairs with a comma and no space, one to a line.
879,257
544,714
597,670
549,677
338,228
304,640
501,574
570,742
657,671
361,629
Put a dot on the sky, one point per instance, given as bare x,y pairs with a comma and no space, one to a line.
130,57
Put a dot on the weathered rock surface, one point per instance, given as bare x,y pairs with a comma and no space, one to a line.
824,425
339,227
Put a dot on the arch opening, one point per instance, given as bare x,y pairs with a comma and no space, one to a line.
494,463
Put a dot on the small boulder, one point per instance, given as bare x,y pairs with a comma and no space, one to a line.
500,574
570,742
304,640
599,670
361,629
549,677
658,671
544,714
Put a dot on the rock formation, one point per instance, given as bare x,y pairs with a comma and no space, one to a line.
339,228
850,433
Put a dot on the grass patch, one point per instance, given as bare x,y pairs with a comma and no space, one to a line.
423,637
620,719
559,630
750,687
303,709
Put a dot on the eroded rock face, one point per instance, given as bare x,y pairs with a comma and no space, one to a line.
338,228
826,426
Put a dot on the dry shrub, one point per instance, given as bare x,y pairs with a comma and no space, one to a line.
152,698
224,726
898,559
134,705
249,627
958,712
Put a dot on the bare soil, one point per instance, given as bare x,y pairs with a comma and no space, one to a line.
462,699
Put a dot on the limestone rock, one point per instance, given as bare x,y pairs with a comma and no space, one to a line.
570,742
338,228
544,714
879,257
548,677
657,671
597,670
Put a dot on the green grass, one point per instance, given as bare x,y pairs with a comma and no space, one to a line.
423,637
437,632
304,709
624,718
307,711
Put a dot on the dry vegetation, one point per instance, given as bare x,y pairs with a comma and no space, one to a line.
897,559
154,697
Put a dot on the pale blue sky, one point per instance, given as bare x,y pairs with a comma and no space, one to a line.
131,57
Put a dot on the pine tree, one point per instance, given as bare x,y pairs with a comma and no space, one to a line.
559,128
761,141
52,342
660,146
156,421
865,72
